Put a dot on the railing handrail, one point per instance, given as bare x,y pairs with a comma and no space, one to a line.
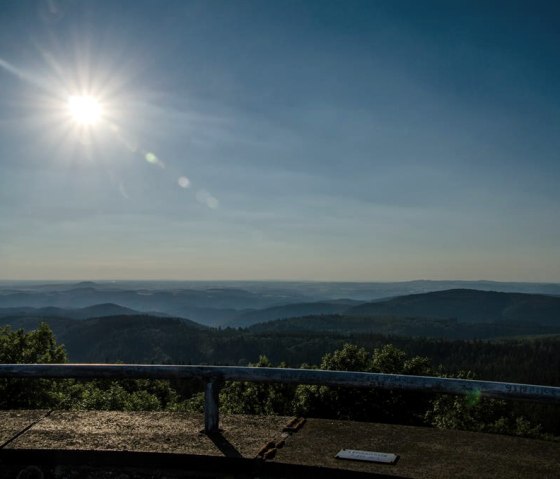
216,375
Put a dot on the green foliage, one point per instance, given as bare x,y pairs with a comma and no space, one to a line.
469,413
365,404
475,413
340,403
349,358
115,397
256,398
38,346
124,395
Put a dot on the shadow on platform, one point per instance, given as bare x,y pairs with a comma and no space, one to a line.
95,443
91,464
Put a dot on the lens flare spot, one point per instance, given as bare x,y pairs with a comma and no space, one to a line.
184,182
153,159
473,397
204,197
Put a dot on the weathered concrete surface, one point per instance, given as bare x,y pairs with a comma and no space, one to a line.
242,436
424,452
14,422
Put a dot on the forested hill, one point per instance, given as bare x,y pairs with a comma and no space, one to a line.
467,305
130,338
440,310
94,311
145,339
292,311
452,314
402,326
236,307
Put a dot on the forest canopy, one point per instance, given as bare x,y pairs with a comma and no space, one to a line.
443,411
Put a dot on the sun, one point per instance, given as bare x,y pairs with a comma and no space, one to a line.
85,110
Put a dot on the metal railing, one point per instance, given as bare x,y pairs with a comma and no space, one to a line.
215,376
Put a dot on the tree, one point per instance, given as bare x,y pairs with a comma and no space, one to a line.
365,404
38,346
254,398
475,413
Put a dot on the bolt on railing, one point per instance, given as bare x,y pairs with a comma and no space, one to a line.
215,376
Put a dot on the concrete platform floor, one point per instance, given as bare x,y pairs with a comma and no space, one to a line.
174,441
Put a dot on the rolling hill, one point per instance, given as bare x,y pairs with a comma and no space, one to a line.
249,318
109,332
95,311
128,338
467,305
403,327
457,314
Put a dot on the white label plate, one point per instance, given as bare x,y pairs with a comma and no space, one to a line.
369,456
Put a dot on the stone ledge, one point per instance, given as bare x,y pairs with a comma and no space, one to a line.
162,439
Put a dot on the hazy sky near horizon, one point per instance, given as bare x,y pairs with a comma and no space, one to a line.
321,140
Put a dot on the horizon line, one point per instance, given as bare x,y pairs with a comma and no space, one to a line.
102,280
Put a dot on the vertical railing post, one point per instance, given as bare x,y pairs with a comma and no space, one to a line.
212,406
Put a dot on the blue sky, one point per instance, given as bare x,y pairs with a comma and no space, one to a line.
314,140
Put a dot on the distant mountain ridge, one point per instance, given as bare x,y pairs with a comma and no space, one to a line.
457,313
451,314
134,338
291,311
242,304
467,305
211,305
95,311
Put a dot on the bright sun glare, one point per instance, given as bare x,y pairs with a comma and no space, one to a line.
84,110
